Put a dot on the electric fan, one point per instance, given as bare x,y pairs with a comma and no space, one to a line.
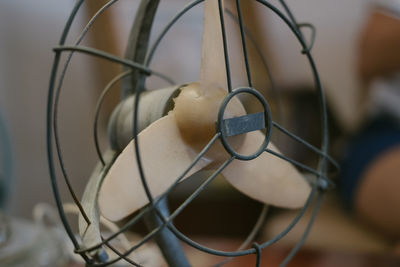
160,137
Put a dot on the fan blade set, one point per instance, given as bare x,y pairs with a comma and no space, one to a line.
169,145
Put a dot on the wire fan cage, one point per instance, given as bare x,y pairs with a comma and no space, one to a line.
137,67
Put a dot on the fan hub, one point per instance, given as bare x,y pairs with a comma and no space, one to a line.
244,124
196,112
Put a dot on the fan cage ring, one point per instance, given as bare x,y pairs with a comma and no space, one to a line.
52,135
267,120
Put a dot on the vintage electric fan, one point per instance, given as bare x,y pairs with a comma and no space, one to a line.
159,138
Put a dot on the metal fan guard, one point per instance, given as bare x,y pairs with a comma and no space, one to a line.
137,66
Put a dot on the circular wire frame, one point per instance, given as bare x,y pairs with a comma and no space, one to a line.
267,123
321,173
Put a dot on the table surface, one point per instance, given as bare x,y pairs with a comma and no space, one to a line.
274,255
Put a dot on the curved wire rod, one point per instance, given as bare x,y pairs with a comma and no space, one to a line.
202,248
136,142
93,19
250,237
121,256
157,41
317,80
126,253
258,249
167,221
198,157
98,107
306,232
288,12
313,34
49,132
300,215
58,91
124,228
197,191
55,109
77,42
135,119
134,220
227,253
99,53
111,57
97,111
300,25
49,137
248,251
298,164
71,208
226,56
244,45
260,53
256,228
139,90
308,145
65,175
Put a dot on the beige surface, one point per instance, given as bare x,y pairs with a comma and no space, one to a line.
377,198
334,229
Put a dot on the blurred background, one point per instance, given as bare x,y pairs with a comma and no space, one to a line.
30,29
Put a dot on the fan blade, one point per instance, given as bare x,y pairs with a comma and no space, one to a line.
212,69
267,178
164,157
196,107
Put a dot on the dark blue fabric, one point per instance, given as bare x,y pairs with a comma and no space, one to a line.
379,135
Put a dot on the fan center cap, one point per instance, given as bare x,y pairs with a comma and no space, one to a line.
244,124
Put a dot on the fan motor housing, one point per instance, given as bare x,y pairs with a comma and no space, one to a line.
152,106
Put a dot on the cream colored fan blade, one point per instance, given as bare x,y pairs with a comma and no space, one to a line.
197,105
165,153
164,158
267,178
212,69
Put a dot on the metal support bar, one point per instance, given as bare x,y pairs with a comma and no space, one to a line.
166,240
138,43
244,124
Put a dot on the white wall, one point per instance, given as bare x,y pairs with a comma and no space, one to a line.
28,31
335,51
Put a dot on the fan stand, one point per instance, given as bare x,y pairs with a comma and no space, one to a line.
166,240
120,121
136,51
